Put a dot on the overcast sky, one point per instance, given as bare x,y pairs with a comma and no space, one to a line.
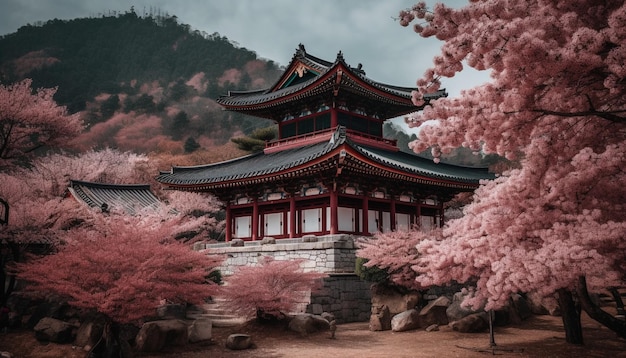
364,30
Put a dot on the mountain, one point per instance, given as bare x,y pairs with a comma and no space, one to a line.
145,84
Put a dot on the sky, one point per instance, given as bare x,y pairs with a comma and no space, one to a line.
363,30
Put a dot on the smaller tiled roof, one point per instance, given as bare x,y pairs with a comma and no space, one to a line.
129,197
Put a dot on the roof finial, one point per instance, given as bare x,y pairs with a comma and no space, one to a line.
340,56
301,49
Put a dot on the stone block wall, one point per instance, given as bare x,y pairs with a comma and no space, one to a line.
344,294
326,254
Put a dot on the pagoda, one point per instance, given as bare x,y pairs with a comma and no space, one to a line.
330,171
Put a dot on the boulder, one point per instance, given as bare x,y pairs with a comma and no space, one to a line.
154,336
53,330
380,320
396,300
521,306
89,332
456,311
435,312
328,316
268,240
405,321
236,243
473,323
171,311
200,330
238,342
308,323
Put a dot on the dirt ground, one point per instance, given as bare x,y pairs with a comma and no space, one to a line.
539,336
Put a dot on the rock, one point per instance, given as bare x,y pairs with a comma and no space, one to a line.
154,336
54,330
238,341
171,311
328,316
435,312
432,328
455,311
309,238
380,320
405,321
89,332
236,243
308,323
268,240
521,306
6,355
200,330
395,300
473,323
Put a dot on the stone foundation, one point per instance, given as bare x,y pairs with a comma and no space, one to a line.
344,294
326,254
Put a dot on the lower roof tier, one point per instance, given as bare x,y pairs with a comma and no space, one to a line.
338,157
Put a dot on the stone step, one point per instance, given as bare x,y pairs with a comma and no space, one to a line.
218,312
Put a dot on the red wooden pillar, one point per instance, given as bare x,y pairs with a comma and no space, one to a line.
292,217
255,219
392,210
441,212
334,225
334,122
365,215
418,220
229,223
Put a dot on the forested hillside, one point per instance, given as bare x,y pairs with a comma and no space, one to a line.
143,83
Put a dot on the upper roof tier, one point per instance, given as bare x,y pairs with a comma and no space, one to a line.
310,84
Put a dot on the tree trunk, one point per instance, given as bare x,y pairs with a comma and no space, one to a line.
594,311
571,317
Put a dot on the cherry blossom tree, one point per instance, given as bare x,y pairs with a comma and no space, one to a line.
31,119
556,105
125,269
271,289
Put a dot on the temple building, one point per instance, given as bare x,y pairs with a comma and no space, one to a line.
330,171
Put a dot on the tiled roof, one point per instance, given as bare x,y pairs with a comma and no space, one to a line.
262,164
246,167
386,100
422,166
128,197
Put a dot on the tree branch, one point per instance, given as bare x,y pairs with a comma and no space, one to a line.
609,116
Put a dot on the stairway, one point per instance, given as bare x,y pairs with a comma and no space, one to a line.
217,313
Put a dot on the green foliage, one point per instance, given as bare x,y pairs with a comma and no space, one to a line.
191,145
109,106
88,56
179,125
256,141
371,274
215,276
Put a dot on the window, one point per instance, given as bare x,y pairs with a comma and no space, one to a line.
346,218
273,224
403,222
243,227
312,220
